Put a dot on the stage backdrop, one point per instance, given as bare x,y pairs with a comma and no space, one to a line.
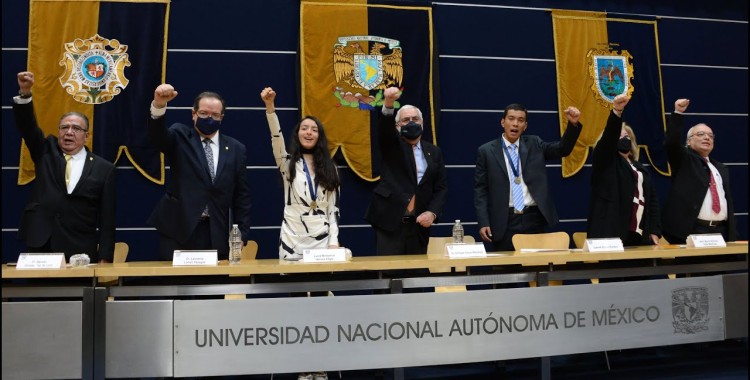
491,53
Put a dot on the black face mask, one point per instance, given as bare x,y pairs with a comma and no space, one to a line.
411,131
207,125
623,145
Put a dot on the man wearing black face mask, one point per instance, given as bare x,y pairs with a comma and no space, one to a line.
623,202
412,188
208,178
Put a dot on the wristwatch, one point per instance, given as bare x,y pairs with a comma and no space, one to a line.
23,96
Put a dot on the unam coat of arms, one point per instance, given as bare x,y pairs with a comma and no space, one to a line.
356,69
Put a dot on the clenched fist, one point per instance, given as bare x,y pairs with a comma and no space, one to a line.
163,94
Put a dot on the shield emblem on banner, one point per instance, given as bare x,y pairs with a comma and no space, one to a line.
368,70
94,69
611,73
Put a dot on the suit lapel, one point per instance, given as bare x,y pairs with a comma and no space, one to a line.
60,178
223,152
197,145
409,154
523,153
499,154
427,152
88,164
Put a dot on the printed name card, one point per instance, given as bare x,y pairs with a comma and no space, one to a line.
195,257
324,255
603,245
705,241
466,250
44,260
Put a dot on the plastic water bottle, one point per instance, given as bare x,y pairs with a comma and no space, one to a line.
235,245
458,232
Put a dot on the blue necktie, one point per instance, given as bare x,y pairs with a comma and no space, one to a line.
516,187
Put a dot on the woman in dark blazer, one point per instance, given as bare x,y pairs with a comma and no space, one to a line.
623,203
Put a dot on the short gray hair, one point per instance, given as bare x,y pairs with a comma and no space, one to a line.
690,131
406,107
82,116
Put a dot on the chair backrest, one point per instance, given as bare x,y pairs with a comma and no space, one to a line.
121,252
249,251
579,239
120,256
436,248
551,240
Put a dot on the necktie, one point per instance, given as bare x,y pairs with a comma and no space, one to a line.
210,160
209,157
715,204
68,168
410,207
516,187
639,202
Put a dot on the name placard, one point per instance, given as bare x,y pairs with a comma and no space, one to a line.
324,255
42,260
195,257
603,245
466,250
705,241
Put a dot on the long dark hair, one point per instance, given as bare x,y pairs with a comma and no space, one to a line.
325,170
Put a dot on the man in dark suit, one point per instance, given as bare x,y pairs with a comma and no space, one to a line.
511,194
700,200
74,190
412,188
208,182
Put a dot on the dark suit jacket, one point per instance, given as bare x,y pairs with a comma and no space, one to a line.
190,188
68,221
690,181
398,179
491,180
613,185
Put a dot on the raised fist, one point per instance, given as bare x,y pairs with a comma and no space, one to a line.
681,105
163,94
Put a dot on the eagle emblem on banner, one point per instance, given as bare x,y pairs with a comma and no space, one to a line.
612,73
358,71
94,69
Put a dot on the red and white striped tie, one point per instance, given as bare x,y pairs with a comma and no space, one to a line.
715,204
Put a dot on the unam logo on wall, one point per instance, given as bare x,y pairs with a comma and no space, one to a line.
94,69
355,69
690,310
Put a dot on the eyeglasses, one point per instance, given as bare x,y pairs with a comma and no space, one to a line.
406,120
702,134
76,129
215,116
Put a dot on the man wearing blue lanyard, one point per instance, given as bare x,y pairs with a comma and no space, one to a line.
511,194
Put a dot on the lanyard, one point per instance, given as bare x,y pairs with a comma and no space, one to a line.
313,189
512,166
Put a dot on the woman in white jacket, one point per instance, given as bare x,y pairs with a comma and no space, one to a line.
311,184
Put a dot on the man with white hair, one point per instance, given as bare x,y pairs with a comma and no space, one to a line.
700,200
412,188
